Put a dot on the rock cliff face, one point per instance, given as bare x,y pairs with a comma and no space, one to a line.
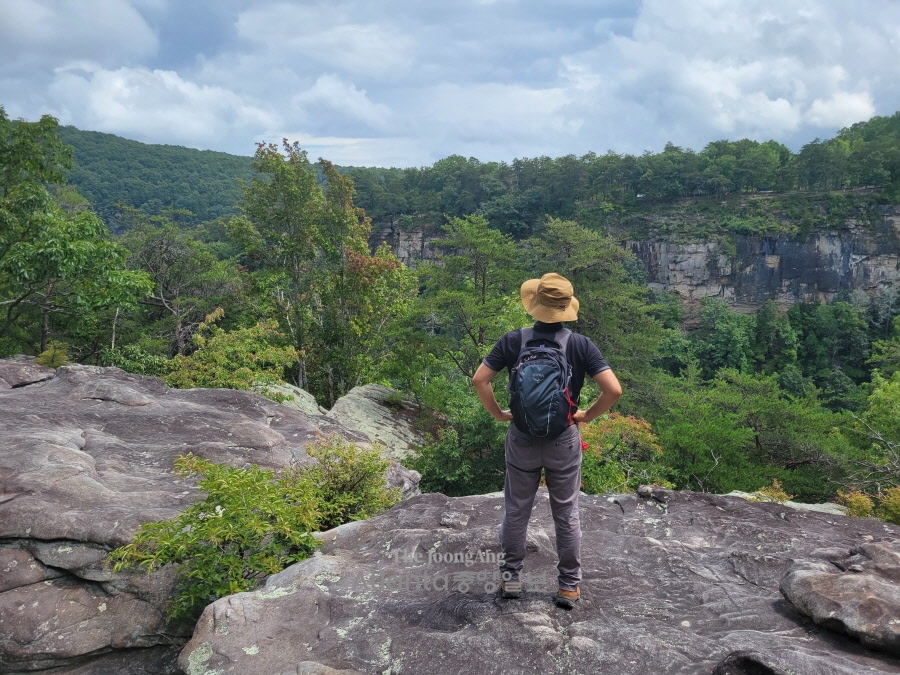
674,582
743,270
746,271
85,458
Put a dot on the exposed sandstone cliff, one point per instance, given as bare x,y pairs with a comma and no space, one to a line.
743,270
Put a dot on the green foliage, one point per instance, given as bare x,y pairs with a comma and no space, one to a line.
54,356
235,359
111,171
470,296
254,522
614,312
858,503
468,455
350,482
743,431
251,524
56,266
189,281
772,493
333,299
622,453
134,359
889,505
876,465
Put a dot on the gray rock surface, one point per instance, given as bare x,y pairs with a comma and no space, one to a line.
858,594
827,507
85,459
19,371
752,269
382,415
300,399
674,582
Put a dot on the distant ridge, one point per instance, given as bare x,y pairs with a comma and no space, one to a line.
110,170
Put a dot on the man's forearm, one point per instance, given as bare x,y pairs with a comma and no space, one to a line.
604,402
488,400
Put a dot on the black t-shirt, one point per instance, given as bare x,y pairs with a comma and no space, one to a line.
581,353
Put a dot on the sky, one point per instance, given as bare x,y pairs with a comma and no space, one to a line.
408,82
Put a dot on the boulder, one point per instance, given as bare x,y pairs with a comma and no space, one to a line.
382,415
20,371
858,594
86,457
674,582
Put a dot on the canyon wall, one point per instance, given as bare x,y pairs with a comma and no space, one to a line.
743,270
748,270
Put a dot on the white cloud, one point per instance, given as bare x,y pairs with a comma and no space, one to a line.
58,31
351,151
327,36
493,110
155,105
842,109
420,81
344,98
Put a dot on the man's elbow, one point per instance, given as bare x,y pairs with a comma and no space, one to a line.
483,377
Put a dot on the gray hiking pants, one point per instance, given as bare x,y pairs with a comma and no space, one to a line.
560,458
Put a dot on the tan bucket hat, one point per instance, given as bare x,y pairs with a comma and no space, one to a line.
550,298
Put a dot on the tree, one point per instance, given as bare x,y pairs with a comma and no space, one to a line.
332,297
743,431
614,312
52,263
470,297
189,282
723,339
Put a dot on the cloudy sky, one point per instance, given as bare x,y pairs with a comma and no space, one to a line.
407,82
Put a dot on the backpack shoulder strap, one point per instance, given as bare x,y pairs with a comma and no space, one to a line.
527,334
562,337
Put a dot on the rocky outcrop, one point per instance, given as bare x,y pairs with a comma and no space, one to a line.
411,243
674,582
383,416
380,414
746,271
743,270
86,457
857,594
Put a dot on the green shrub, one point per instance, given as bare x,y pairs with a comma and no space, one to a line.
54,356
134,359
889,505
254,522
235,359
772,493
622,453
350,482
858,503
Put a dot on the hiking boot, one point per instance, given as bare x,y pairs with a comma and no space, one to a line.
510,589
567,599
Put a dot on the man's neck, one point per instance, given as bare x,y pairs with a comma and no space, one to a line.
547,327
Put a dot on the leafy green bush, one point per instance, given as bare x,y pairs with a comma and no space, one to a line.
858,503
622,453
134,359
54,356
772,493
350,483
235,359
889,505
254,522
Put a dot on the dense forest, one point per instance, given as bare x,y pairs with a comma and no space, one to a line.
277,282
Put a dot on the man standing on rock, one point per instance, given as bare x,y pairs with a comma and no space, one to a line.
551,301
